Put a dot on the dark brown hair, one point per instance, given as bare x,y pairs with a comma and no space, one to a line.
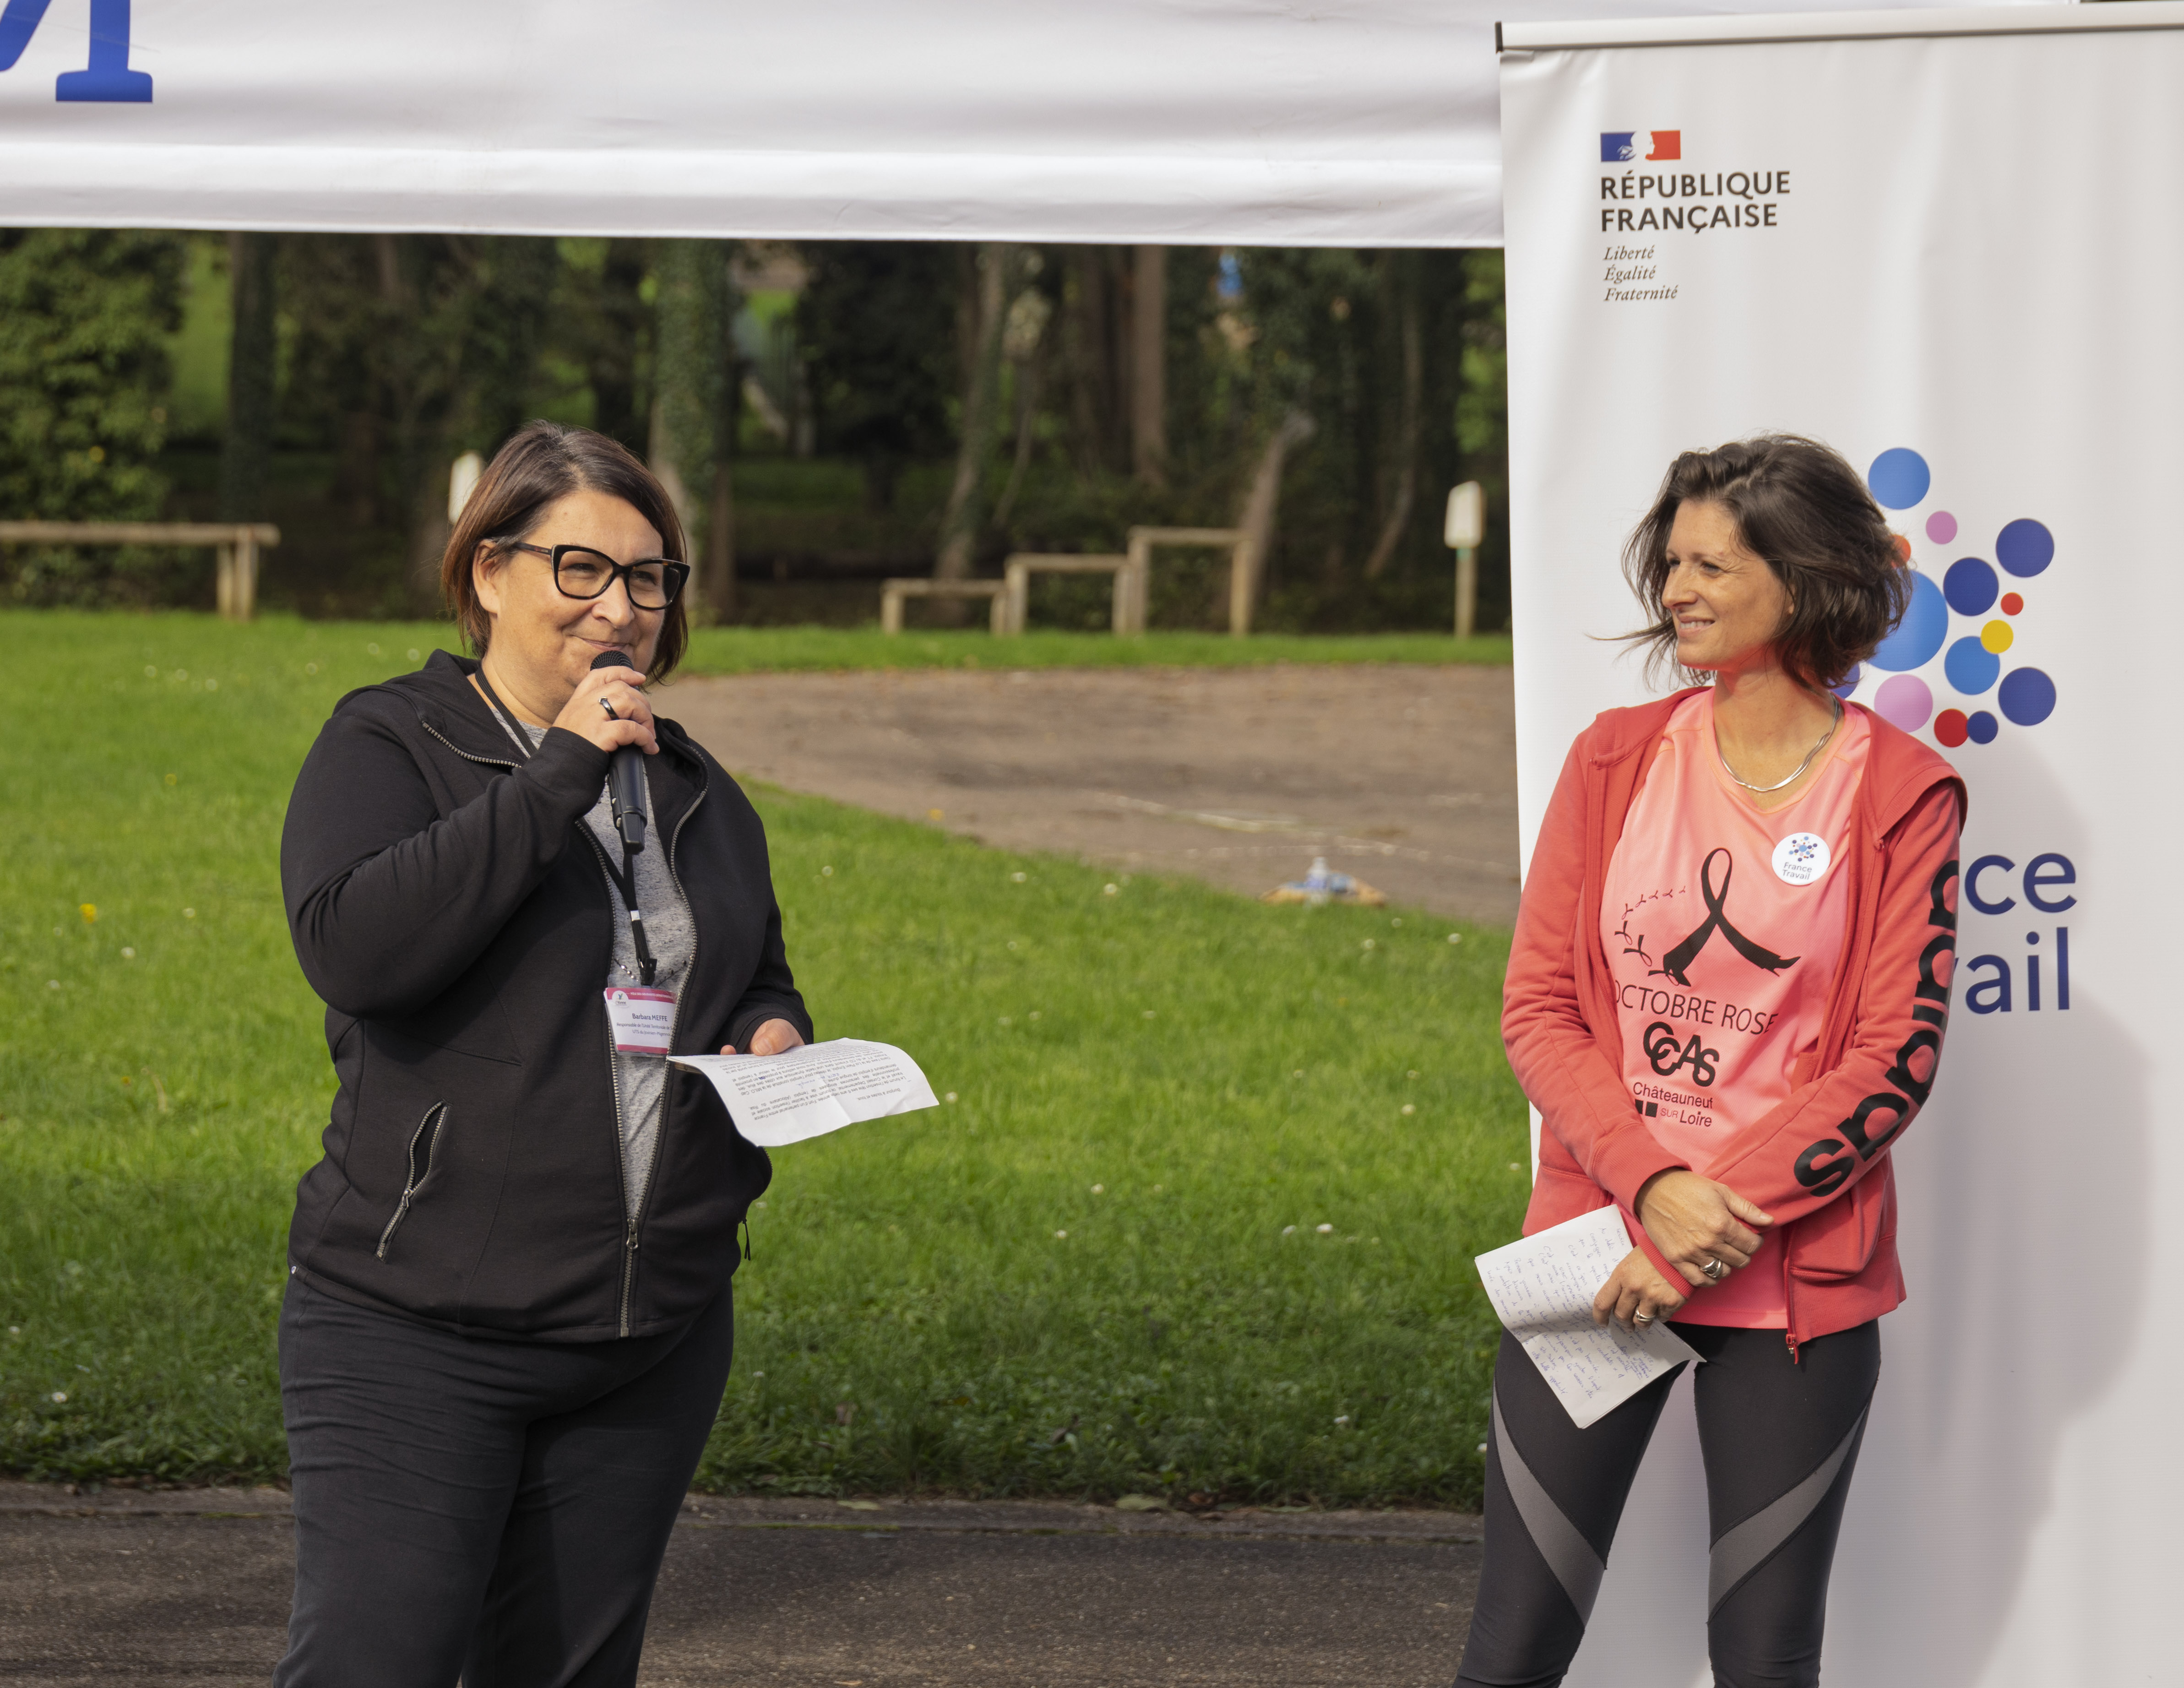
542,462
1800,507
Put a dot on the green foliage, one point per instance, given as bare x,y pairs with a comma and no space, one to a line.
410,348
1189,1085
403,353
1327,331
694,306
1481,401
601,330
1252,336
397,352
197,404
694,431
85,317
877,327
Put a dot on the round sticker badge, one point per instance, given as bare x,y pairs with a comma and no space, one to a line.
1801,859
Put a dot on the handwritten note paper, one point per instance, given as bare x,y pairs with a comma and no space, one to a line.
778,1099
1543,1285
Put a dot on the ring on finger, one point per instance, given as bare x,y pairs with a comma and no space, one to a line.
610,709
1713,1269
1642,1319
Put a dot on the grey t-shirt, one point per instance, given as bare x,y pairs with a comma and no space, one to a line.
640,1080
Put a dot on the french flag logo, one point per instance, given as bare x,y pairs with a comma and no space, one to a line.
1631,146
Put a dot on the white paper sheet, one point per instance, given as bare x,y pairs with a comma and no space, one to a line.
778,1099
1542,1286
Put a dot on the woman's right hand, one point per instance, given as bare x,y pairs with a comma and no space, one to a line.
1634,1296
1693,1220
631,721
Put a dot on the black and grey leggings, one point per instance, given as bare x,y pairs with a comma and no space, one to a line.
1780,1441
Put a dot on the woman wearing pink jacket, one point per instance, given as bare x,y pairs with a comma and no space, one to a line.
1726,997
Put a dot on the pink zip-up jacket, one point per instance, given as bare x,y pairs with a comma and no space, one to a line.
1819,1161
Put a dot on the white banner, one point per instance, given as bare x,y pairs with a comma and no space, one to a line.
1190,122
1955,257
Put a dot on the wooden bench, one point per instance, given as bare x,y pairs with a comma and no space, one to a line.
1129,615
235,545
892,592
1240,581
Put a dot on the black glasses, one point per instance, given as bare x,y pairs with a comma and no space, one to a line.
581,572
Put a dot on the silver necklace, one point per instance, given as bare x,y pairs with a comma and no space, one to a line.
1818,746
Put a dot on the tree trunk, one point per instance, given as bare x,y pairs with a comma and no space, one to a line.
1024,344
1406,428
959,526
1256,521
420,493
246,450
1094,371
1149,367
1028,385
691,379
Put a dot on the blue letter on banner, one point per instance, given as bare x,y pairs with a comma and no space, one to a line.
107,78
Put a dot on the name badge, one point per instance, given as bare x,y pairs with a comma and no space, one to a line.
643,1020
1801,859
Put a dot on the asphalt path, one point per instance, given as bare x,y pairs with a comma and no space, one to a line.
191,1587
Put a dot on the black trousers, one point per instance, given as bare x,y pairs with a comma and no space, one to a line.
1780,1440
497,1510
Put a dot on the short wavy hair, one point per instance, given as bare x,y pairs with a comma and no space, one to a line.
541,463
1805,511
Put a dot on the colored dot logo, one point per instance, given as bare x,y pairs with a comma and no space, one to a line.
1966,619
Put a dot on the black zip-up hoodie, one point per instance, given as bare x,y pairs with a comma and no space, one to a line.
449,904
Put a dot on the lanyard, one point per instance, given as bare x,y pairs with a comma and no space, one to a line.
625,879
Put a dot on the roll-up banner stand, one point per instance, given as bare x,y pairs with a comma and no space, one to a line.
1952,246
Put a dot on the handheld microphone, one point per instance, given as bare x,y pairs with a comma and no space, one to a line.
625,774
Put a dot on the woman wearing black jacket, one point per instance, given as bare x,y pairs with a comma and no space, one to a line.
508,1322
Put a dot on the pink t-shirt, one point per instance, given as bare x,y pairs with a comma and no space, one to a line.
1723,926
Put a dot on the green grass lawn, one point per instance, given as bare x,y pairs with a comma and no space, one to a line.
739,650
1200,1216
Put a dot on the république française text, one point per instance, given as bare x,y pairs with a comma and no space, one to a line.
1754,192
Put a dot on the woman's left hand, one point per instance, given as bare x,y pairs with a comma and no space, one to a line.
1705,1230
1635,1295
775,1037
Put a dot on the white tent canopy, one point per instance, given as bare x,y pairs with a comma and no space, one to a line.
1264,122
